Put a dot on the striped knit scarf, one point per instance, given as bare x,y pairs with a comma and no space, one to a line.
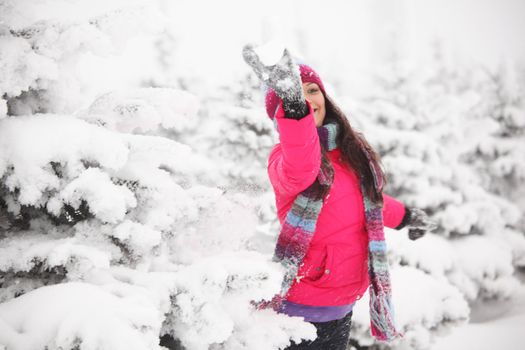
298,229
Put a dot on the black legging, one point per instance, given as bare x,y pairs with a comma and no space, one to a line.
332,335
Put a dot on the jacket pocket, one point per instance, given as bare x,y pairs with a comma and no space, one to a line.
314,266
343,266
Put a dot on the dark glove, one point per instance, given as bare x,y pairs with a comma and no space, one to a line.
284,78
417,222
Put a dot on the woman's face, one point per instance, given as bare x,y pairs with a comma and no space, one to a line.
314,95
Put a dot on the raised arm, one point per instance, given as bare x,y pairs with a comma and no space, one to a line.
294,163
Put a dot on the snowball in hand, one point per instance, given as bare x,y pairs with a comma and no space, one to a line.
270,53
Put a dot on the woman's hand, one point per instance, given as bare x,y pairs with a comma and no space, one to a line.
419,223
283,77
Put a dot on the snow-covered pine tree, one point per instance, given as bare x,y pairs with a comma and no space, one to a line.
234,132
111,235
418,120
237,134
498,156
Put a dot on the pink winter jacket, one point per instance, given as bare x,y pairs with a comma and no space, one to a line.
335,269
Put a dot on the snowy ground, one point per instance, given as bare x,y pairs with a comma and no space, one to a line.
498,325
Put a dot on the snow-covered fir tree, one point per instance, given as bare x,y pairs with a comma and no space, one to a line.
498,156
112,233
428,125
237,134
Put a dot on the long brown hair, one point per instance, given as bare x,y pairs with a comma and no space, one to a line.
349,142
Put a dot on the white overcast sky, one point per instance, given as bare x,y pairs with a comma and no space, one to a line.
351,35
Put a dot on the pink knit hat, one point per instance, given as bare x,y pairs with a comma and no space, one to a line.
308,75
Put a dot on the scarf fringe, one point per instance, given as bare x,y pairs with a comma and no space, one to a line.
382,324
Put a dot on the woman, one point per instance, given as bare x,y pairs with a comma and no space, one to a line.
328,188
